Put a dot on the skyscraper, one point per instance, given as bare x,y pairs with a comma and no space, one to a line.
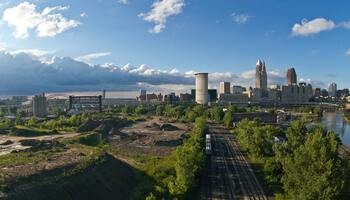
225,88
261,75
291,76
39,106
332,90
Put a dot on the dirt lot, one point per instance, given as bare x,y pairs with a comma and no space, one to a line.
155,137
9,144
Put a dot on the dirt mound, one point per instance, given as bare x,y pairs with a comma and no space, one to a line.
40,144
169,127
153,126
88,126
117,134
103,126
169,143
8,142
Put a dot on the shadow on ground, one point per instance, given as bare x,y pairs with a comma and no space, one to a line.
110,179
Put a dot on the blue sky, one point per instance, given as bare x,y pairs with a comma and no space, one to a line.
202,35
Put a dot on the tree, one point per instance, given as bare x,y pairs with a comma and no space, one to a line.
160,110
189,159
191,116
31,121
216,113
314,170
127,109
228,118
141,110
296,134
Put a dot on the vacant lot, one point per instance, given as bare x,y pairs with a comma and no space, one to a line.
153,137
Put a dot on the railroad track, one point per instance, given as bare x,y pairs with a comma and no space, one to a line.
251,187
228,174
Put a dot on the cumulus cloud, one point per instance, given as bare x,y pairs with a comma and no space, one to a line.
315,26
48,23
67,74
248,74
160,11
92,56
38,54
240,18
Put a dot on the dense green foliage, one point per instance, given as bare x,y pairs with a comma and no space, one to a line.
63,122
317,110
189,159
176,174
314,170
306,166
256,139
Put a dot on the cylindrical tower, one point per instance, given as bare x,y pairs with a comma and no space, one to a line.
202,96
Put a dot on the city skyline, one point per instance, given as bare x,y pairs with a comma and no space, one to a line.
165,44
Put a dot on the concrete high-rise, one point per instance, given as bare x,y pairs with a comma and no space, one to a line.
332,90
225,87
291,76
39,106
202,96
261,75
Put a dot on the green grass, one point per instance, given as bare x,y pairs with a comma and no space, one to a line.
22,158
32,131
91,139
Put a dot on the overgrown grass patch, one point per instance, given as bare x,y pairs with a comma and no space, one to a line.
32,131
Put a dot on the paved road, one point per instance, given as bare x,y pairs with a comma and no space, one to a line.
228,175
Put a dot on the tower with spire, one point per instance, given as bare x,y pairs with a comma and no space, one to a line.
261,75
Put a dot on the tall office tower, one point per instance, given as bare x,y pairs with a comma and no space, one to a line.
103,94
143,92
39,106
202,96
225,87
261,75
332,90
291,76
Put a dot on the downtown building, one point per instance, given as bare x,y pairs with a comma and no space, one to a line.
39,104
332,89
261,94
293,93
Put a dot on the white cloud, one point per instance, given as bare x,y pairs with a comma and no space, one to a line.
67,74
161,10
83,14
307,28
240,18
92,56
37,54
347,53
123,1
48,23
248,74
34,52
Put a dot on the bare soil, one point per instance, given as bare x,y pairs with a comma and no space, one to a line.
155,137
10,144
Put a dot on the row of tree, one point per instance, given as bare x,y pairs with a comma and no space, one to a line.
176,175
306,166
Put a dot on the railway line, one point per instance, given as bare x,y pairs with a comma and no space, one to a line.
228,175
